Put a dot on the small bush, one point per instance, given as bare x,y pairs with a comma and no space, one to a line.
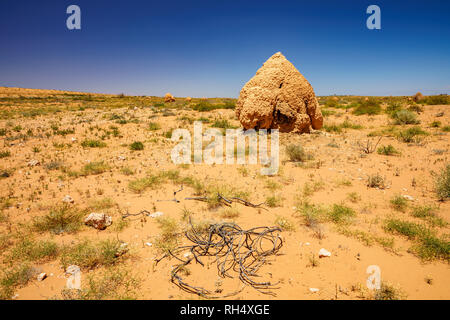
369,107
297,153
428,213
405,117
340,214
388,292
94,168
376,181
153,126
168,238
388,150
5,154
399,203
60,219
93,144
224,124
137,145
442,183
411,135
14,277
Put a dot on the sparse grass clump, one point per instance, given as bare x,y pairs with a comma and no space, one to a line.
285,224
428,213
153,126
30,250
89,255
60,219
115,283
230,213
442,183
224,124
399,203
13,278
5,154
137,145
296,153
93,144
168,238
340,214
93,168
273,201
388,150
428,245
388,292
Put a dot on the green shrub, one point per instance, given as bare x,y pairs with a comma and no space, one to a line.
93,144
405,117
96,167
369,107
137,145
4,154
153,126
411,135
388,150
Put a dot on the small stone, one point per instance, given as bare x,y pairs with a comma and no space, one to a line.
122,249
148,244
156,214
410,198
313,290
68,199
41,276
33,163
324,253
98,220
73,139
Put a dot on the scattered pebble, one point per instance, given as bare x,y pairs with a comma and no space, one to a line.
324,253
41,276
99,221
156,214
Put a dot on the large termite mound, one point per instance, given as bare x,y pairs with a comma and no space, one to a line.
279,97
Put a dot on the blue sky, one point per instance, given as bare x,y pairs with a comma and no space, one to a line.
212,48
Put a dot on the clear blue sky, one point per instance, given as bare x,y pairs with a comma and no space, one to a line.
212,48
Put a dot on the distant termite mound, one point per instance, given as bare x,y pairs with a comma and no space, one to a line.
169,97
417,97
279,97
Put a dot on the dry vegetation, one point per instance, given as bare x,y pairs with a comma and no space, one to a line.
372,187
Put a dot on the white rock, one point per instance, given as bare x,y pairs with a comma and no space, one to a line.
313,290
73,139
33,163
408,197
98,220
41,276
68,199
156,214
148,244
324,253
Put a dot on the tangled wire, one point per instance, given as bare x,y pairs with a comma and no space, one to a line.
241,251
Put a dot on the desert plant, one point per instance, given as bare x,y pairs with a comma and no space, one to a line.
297,153
388,150
399,203
376,181
442,183
137,145
93,144
63,218
405,117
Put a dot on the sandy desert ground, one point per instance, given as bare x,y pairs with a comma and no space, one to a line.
385,206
